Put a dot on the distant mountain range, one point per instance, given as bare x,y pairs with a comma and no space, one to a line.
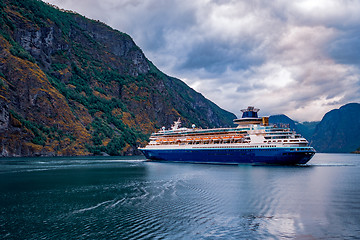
338,131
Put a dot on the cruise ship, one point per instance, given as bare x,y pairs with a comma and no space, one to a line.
252,141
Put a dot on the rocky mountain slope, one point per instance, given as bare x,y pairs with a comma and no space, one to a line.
339,130
74,86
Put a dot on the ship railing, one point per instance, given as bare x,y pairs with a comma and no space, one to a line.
200,140
199,131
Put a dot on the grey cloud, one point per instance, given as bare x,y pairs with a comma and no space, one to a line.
216,57
346,48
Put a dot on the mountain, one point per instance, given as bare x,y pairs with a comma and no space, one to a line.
339,130
74,86
307,129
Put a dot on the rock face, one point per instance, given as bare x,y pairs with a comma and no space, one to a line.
339,130
74,86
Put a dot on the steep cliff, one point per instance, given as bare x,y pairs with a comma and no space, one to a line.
74,86
339,130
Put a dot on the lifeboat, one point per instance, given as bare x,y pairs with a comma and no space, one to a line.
237,137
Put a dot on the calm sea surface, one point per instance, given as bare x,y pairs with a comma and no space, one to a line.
128,198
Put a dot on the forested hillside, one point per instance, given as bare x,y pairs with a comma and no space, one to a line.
74,86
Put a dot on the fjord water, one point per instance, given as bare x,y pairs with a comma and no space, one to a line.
129,198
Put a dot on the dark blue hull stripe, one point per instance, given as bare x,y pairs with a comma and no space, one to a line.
283,156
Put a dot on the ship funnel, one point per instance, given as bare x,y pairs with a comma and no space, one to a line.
250,112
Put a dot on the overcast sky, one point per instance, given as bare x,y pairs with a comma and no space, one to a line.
300,58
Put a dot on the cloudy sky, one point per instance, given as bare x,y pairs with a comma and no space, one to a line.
300,58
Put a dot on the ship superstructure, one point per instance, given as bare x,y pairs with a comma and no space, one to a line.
252,141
